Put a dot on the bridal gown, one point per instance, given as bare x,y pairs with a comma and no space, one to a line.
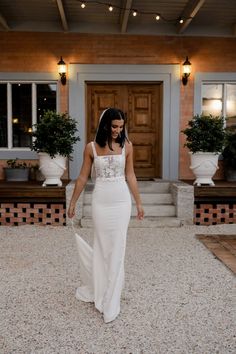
102,267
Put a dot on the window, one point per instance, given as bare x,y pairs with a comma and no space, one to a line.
220,99
21,106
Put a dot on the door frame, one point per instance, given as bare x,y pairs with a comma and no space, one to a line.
169,75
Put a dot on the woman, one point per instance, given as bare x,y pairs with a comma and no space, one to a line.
112,156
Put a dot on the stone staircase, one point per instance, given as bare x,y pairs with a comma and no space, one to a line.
162,201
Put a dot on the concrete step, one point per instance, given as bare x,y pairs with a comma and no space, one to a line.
165,204
157,186
147,222
154,187
150,210
147,198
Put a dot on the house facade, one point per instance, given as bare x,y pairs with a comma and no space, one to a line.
141,74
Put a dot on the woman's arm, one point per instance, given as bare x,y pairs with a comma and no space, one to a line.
132,181
81,180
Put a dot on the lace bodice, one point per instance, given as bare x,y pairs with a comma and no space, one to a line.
109,167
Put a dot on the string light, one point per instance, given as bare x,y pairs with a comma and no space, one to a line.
134,12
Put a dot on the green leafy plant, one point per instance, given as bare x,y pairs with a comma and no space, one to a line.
13,163
229,152
55,134
205,133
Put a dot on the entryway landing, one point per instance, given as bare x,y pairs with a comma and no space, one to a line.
165,203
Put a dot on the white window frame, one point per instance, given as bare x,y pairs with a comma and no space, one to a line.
209,78
24,78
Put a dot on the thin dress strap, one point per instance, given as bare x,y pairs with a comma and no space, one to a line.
123,150
94,149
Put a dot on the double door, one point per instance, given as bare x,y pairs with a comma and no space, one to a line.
141,104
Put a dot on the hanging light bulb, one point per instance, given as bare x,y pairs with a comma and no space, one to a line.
158,17
135,13
83,5
110,8
181,20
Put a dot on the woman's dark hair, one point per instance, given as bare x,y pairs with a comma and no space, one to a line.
103,135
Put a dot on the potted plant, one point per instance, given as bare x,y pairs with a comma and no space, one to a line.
53,138
205,136
16,171
229,154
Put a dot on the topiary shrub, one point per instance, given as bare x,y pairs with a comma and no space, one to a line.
205,133
55,134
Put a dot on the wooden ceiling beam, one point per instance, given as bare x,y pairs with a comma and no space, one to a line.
62,15
190,11
4,23
125,15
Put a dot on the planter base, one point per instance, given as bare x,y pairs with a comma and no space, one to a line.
201,180
52,181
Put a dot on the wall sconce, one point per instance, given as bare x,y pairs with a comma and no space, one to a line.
186,71
62,71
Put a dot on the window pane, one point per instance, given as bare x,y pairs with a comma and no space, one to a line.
3,115
21,115
46,98
212,98
231,104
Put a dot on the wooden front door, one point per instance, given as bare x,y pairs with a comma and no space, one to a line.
142,105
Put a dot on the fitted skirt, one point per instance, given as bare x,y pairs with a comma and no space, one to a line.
111,209
102,266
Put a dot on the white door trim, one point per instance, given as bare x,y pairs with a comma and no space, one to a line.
79,74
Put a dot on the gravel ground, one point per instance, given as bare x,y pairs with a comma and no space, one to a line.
178,297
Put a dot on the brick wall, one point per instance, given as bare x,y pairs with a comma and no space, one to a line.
32,213
214,213
14,214
40,52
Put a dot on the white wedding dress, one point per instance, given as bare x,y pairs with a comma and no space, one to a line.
102,267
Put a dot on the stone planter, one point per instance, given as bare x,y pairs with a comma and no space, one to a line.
204,166
16,174
52,168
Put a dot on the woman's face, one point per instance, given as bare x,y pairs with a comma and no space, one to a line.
117,125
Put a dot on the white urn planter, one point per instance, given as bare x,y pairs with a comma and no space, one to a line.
204,166
52,168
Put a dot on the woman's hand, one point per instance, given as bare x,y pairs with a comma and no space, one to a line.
71,211
140,212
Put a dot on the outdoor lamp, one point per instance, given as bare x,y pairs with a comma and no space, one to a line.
186,71
62,71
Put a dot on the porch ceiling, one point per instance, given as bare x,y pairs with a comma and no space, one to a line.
201,17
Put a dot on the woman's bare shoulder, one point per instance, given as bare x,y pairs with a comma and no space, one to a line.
88,148
128,146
